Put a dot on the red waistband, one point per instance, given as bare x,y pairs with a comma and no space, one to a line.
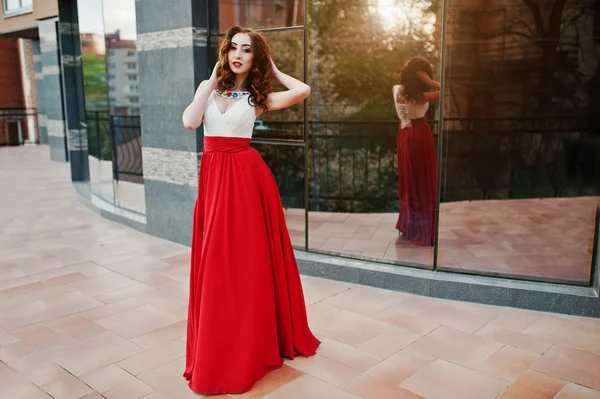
225,144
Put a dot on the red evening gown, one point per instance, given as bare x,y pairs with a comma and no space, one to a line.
246,305
417,175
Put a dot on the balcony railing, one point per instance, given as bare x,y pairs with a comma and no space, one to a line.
116,138
353,164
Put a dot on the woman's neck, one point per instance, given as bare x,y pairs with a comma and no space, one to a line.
240,82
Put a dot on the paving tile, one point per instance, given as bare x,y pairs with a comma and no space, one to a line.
162,335
347,354
534,385
76,326
131,389
324,369
167,380
516,339
15,351
153,358
316,290
456,346
40,336
508,363
85,356
310,387
271,382
106,378
138,321
45,309
460,316
395,315
368,387
514,319
67,387
350,328
571,333
572,365
390,342
574,391
400,366
365,300
16,386
444,380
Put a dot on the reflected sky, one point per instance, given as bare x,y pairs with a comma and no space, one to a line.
406,16
118,15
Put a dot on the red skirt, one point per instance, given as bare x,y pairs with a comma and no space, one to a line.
417,182
246,306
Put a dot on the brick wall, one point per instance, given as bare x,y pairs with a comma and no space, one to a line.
11,95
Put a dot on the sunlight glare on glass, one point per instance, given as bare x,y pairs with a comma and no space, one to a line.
410,17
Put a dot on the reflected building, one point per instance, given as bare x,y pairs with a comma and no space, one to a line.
122,76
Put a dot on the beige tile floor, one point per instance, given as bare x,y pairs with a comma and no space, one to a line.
547,239
91,309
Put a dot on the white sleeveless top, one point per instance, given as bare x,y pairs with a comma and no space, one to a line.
409,110
237,121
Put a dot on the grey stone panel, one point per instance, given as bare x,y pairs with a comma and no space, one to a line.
170,210
57,149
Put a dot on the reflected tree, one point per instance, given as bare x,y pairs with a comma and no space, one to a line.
519,57
358,48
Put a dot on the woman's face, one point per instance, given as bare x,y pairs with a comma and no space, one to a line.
241,54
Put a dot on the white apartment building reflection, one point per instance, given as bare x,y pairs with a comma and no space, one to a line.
122,75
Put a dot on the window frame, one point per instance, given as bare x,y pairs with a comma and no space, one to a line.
16,11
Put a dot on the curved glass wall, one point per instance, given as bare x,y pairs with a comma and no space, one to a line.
520,150
516,162
111,93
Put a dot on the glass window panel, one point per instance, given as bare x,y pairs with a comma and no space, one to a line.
96,90
111,90
357,50
121,36
12,5
520,159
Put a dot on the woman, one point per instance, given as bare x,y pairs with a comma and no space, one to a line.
417,163
246,306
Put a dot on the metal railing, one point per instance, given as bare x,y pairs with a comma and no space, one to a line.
116,138
15,123
353,164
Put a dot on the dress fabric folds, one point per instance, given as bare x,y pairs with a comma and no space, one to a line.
417,182
246,305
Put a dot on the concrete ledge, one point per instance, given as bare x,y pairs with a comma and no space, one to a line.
107,210
556,298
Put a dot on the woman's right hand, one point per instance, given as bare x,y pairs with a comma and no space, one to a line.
425,78
213,75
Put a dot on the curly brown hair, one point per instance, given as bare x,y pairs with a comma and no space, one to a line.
413,86
260,77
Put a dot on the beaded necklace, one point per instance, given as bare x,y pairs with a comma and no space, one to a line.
232,94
